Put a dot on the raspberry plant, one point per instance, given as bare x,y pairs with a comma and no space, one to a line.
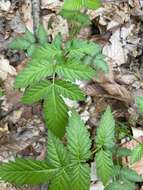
68,167
51,76
52,72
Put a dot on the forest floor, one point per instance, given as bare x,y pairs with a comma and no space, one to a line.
118,27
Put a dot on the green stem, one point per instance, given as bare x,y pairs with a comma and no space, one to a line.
54,73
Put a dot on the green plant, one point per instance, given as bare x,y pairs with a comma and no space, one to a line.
51,75
139,102
76,20
28,41
137,152
109,169
1,92
67,167
64,168
54,67
79,4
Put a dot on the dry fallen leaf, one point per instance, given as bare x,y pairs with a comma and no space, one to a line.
26,12
97,186
4,5
108,83
6,68
51,4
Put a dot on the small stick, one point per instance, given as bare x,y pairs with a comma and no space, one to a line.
18,106
35,14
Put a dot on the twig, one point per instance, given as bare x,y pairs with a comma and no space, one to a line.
18,106
35,14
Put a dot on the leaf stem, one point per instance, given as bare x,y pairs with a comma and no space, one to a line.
54,73
96,150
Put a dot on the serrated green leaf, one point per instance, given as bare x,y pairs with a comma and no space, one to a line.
75,71
130,175
61,180
57,155
78,139
26,171
41,34
57,42
69,90
31,49
123,152
76,16
137,153
73,4
37,92
1,92
78,48
19,44
100,63
29,36
139,102
80,177
105,132
93,4
34,72
118,185
55,111
78,4
104,165
47,51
